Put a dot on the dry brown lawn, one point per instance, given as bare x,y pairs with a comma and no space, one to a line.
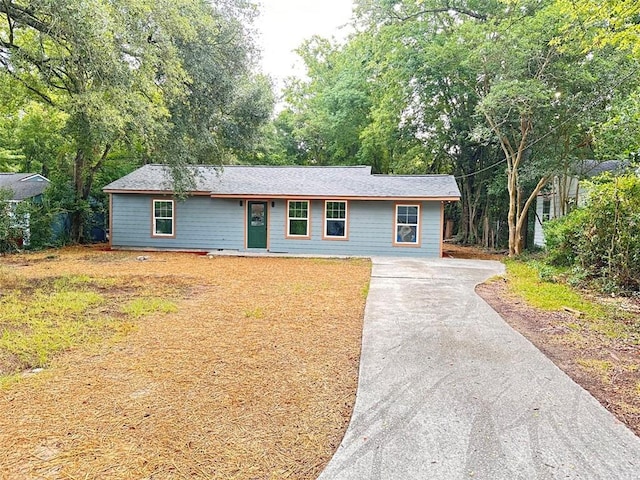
254,377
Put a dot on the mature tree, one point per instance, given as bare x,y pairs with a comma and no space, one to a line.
602,23
397,97
170,75
618,138
327,112
598,27
35,133
462,86
541,99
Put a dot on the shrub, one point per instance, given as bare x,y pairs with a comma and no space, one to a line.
9,231
610,247
603,238
562,237
27,224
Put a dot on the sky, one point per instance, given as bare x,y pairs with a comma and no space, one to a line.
285,24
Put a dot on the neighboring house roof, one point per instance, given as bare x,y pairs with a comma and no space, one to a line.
24,185
593,168
292,181
585,169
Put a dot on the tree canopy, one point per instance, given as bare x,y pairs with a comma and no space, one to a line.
171,80
473,88
503,94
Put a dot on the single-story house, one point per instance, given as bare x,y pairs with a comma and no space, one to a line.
566,192
282,209
23,187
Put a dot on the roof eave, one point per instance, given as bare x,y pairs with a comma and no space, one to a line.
437,198
153,192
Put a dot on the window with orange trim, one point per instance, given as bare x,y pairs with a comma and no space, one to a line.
335,219
407,224
298,218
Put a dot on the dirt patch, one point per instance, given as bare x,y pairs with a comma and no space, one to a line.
452,250
253,378
608,369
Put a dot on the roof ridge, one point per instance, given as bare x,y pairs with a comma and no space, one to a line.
260,166
410,175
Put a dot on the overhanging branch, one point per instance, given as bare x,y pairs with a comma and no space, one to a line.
24,15
444,9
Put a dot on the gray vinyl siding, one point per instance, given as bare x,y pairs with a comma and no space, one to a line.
370,226
203,223
200,223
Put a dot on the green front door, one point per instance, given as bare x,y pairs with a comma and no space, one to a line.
257,227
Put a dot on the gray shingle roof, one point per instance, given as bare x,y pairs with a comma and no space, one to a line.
593,168
23,185
293,181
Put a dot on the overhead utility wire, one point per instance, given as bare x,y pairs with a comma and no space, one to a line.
552,130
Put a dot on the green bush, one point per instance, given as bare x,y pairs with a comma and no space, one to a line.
14,218
562,237
9,233
611,243
602,239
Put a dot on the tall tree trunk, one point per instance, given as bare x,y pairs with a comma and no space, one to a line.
471,200
512,188
521,221
83,176
76,233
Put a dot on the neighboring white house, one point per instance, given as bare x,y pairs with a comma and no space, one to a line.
565,193
23,186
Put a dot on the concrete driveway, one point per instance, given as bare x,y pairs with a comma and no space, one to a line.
447,390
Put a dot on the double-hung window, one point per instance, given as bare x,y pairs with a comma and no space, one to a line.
298,219
163,218
546,209
335,220
407,225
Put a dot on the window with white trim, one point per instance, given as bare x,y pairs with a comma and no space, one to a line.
546,209
407,231
298,218
163,218
335,219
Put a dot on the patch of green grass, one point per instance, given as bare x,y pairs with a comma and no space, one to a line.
324,261
256,313
140,307
72,281
525,280
35,325
7,380
601,368
365,290
39,319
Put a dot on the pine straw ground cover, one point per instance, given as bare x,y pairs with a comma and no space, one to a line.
253,375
